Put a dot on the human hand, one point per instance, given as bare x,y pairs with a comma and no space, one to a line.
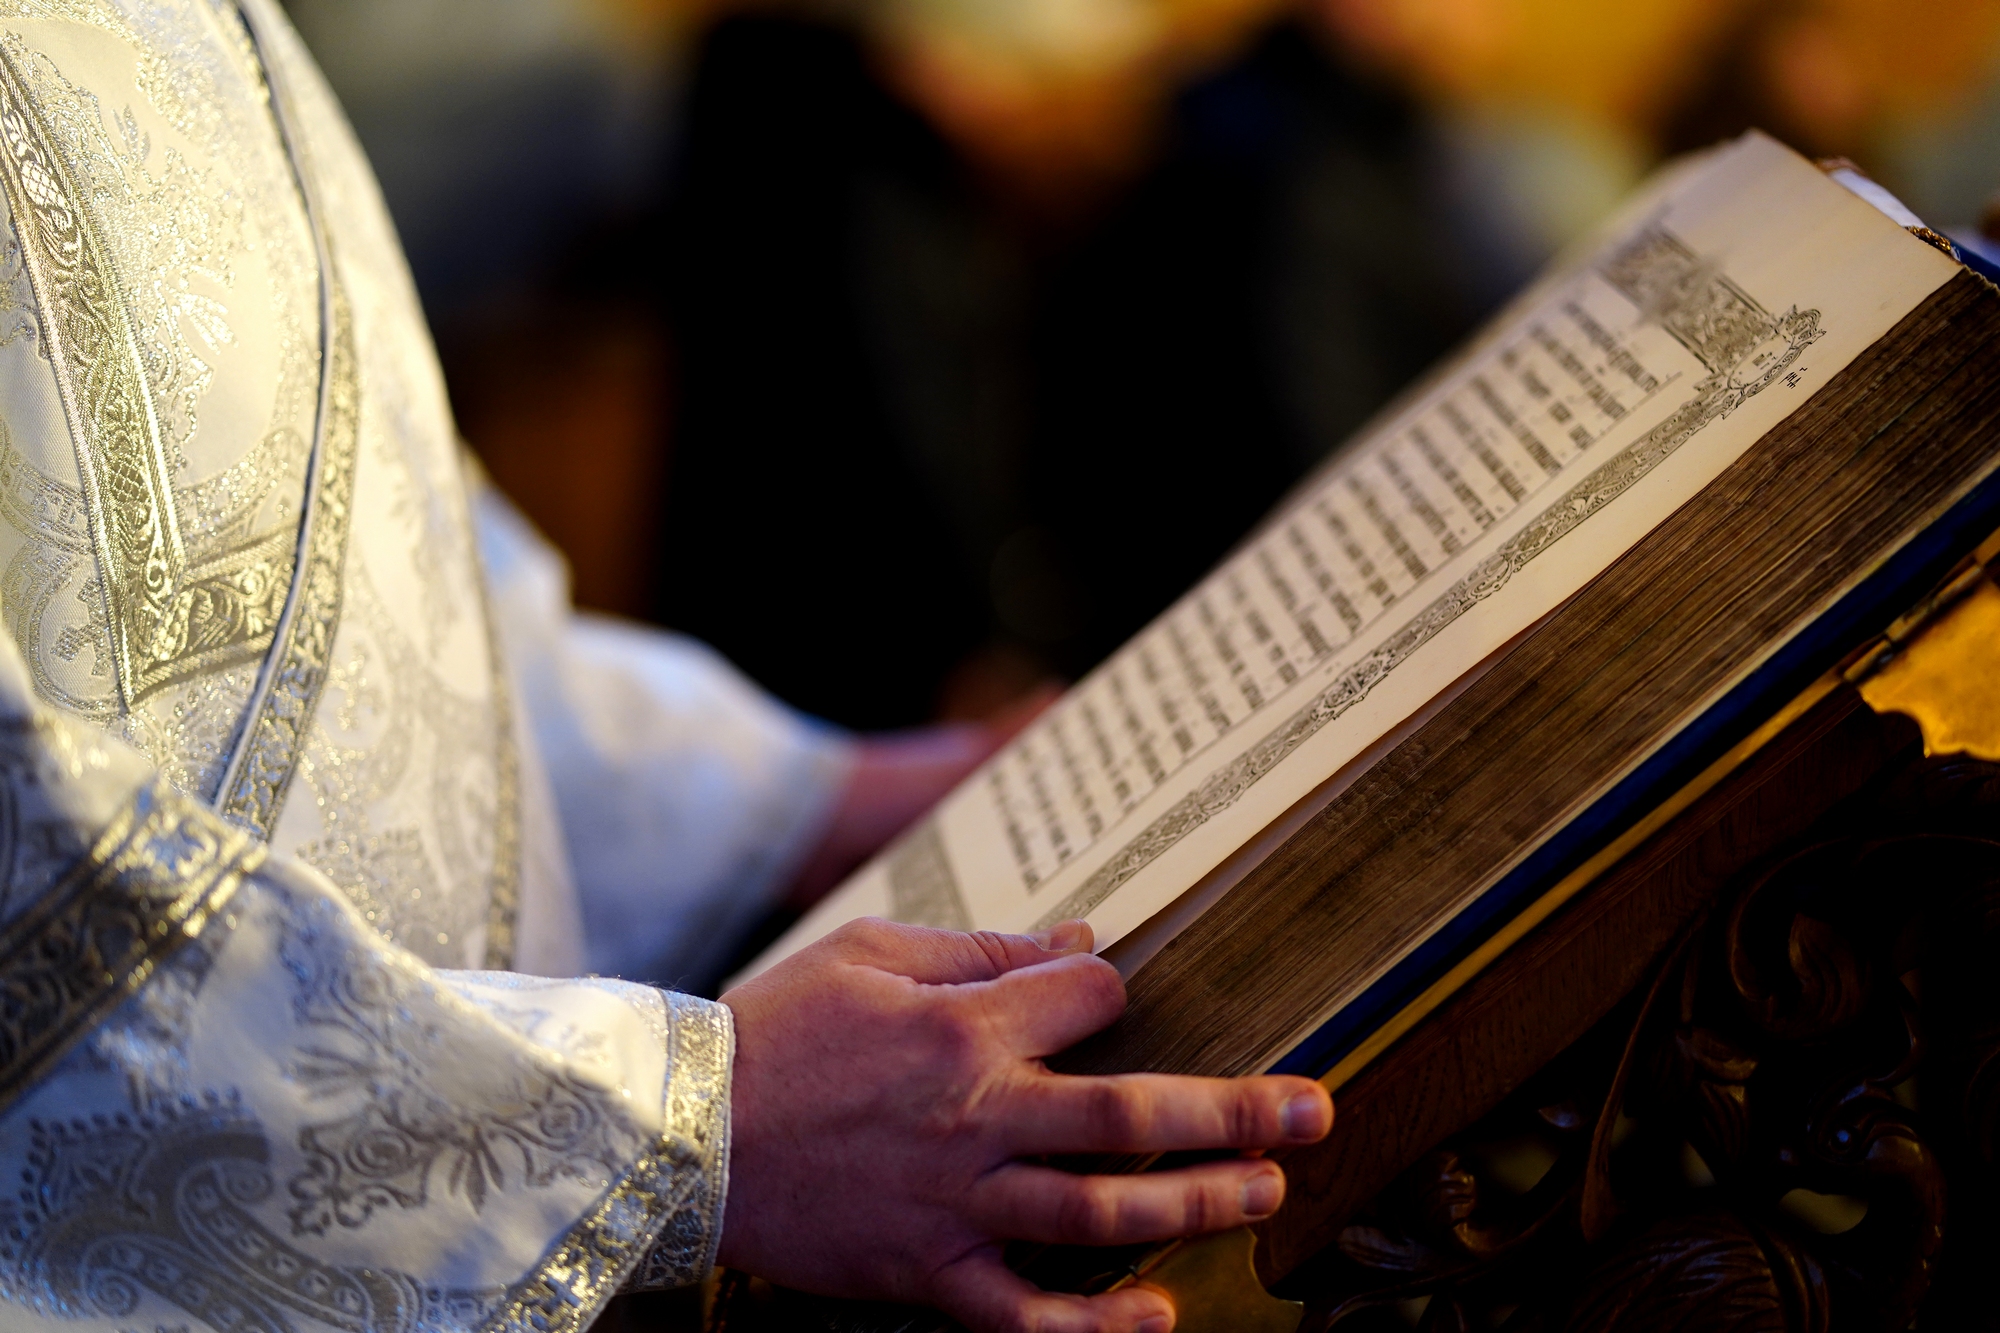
889,1099
897,777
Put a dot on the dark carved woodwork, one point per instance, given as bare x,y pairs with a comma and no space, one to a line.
1792,1127
1541,1034
1783,998
1549,990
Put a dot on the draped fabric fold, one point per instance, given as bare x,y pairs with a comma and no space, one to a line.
262,810
230,1101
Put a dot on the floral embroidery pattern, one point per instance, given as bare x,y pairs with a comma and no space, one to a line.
529,1124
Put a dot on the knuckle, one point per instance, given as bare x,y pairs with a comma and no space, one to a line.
861,934
1209,1207
994,946
1101,982
1193,1210
1248,1118
955,1030
1089,1213
1121,1114
1019,1317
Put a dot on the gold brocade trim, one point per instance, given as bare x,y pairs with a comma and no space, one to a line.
697,1116
288,690
662,1219
168,621
155,879
254,788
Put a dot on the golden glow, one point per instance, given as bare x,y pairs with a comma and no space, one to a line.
1617,63
1062,91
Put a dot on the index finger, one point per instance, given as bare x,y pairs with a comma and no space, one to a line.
1151,1113
953,957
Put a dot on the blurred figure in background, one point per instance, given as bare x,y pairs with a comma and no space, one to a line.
934,411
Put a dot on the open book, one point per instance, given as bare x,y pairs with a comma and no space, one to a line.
1626,409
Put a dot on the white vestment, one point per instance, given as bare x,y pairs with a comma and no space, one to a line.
281,828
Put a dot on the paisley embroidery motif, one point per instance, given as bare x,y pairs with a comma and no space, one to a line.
164,1205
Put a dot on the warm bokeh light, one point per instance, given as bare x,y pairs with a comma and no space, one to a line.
1910,59
1620,63
1055,94
933,270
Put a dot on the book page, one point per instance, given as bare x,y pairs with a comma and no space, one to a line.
1604,398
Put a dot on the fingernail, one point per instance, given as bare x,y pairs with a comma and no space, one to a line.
1066,936
1262,1193
1158,1323
1303,1118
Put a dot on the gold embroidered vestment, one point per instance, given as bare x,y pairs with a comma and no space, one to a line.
265,821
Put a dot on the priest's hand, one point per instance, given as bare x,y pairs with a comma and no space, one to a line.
890,1100
898,776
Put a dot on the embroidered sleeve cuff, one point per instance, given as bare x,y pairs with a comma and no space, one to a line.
694,1146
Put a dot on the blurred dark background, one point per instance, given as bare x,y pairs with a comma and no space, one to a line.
914,351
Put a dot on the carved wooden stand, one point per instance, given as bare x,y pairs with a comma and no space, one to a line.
1741,1071
1765,1136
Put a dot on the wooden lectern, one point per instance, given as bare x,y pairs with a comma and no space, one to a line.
1739,1069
